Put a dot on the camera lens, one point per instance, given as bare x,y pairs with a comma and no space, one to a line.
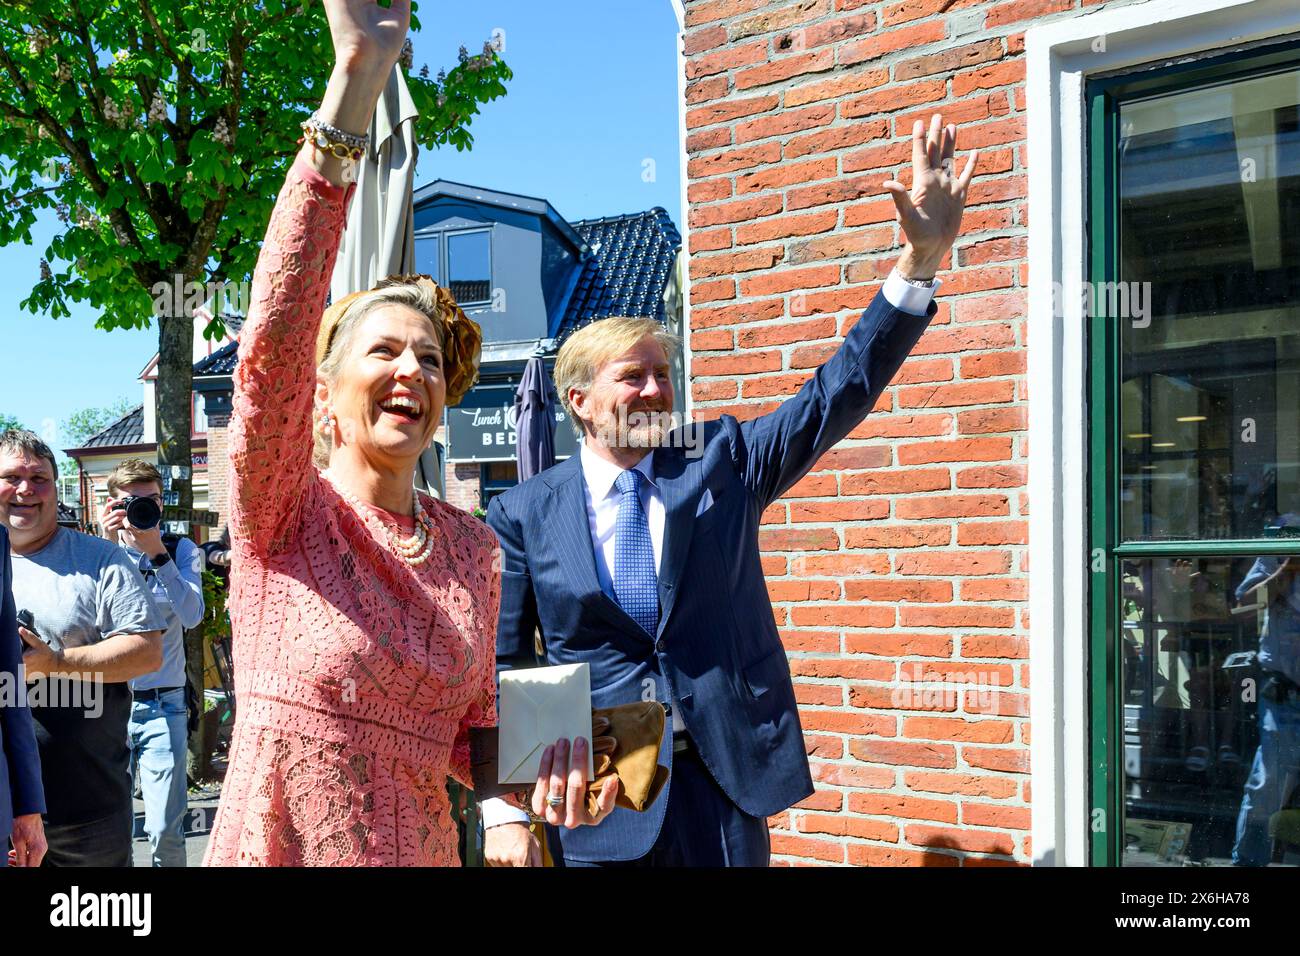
143,513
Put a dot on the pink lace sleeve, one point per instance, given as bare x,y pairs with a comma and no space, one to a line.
482,712
271,428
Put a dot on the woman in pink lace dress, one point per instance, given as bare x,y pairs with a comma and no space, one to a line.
364,614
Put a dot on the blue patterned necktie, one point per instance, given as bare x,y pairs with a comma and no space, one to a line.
636,585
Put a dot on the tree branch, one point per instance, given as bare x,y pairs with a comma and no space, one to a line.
92,62
14,113
206,231
33,192
77,151
152,202
183,67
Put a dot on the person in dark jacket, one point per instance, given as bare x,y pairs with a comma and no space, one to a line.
640,557
22,797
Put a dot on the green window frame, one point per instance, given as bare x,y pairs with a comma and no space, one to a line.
1106,547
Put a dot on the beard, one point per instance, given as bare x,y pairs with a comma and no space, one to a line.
644,428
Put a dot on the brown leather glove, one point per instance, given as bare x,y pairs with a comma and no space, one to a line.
625,743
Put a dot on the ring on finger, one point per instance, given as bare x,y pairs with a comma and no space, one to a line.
554,800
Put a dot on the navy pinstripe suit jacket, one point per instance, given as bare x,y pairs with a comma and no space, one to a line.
716,650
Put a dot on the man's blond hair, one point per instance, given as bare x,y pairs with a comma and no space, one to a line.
587,349
131,471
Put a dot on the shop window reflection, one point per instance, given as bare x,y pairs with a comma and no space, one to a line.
1211,720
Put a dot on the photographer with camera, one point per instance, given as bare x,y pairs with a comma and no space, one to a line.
88,626
1273,585
172,567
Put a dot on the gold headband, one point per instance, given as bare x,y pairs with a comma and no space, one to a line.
462,338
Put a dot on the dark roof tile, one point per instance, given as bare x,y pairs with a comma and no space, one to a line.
127,430
220,362
632,260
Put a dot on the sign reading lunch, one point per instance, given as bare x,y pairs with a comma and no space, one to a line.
482,427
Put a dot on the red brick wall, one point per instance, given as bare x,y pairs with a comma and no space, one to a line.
463,485
898,567
219,471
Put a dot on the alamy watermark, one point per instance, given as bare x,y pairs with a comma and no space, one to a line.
77,908
933,690
1117,300
80,692
179,298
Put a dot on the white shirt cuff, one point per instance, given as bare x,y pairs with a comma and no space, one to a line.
496,811
906,297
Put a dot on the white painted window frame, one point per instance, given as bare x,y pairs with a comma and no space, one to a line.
1060,57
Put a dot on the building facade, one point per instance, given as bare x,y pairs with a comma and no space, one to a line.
529,278
1088,459
135,435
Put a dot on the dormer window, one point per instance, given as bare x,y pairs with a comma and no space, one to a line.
428,255
469,266
461,260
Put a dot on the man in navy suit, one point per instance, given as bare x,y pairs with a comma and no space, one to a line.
640,557
22,796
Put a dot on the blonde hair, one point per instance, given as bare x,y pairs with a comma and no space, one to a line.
459,336
129,472
587,349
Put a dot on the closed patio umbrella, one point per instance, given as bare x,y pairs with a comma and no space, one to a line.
534,420
379,239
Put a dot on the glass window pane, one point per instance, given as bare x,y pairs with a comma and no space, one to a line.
1211,725
469,269
426,257
1208,307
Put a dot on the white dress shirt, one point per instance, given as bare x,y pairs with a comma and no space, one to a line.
602,514
602,510
906,297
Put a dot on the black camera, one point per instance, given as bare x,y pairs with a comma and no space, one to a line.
141,513
26,621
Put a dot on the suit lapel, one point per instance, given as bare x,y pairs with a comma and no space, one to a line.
573,531
569,511
680,488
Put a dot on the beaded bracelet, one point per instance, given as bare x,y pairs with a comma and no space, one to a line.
335,142
336,134
326,139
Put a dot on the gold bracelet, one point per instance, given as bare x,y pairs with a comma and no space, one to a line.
333,147
339,151
348,157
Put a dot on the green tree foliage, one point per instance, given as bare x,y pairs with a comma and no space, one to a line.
159,133
84,422
8,421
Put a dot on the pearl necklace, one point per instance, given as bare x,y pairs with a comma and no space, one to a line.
414,550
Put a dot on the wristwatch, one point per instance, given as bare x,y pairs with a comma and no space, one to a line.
160,560
918,283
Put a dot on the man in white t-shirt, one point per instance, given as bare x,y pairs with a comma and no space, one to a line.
93,628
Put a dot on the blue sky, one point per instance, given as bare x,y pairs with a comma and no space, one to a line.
593,97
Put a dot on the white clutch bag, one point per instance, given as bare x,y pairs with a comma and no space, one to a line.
539,705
